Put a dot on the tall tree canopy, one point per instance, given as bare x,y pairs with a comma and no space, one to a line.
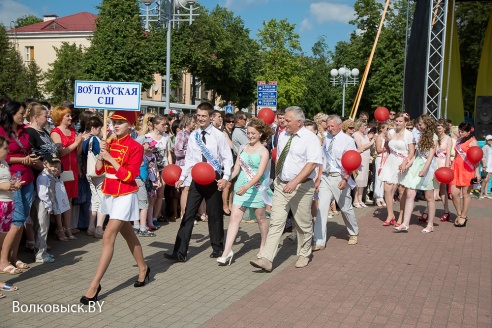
119,48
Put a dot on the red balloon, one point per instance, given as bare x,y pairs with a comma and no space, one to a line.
171,174
274,154
474,154
351,160
381,114
444,175
267,115
203,173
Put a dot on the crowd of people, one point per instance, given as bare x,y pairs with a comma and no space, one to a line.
286,173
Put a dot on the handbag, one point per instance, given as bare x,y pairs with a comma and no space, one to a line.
67,176
91,161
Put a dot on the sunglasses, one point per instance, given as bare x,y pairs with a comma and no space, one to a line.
229,121
393,114
351,127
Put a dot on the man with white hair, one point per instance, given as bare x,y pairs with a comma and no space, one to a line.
298,154
335,183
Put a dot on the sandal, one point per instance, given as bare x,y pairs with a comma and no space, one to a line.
10,269
445,217
60,235
2,296
68,233
428,229
21,265
226,213
8,287
204,217
423,217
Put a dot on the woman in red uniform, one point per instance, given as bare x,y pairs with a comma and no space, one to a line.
464,172
120,160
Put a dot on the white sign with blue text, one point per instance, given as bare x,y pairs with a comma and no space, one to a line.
107,95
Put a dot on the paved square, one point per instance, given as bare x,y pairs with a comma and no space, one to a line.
388,279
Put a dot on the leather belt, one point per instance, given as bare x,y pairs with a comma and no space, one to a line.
111,176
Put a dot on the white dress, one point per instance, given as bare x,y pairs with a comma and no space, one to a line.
399,151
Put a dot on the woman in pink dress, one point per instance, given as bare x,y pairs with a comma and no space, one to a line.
69,146
464,172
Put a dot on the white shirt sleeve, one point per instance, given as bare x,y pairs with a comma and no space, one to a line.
42,185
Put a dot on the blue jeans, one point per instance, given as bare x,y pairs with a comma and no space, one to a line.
23,200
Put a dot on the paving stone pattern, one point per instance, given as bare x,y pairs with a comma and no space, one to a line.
387,280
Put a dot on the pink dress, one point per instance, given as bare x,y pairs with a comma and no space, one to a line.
441,152
69,162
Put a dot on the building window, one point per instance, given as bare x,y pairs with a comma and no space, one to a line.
29,53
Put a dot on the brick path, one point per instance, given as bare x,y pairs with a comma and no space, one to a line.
433,280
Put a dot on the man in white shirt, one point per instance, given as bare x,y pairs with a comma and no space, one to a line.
298,154
219,154
335,183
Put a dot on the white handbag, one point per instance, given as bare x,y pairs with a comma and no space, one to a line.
91,161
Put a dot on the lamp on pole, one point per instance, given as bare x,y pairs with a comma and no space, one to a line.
170,11
147,4
344,76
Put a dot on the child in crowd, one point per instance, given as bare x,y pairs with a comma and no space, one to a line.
7,187
153,182
51,199
140,226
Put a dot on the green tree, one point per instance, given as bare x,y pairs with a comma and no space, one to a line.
282,61
119,48
216,50
386,81
12,72
319,96
61,76
472,19
34,77
27,20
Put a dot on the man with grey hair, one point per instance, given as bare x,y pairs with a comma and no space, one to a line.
298,154
335,183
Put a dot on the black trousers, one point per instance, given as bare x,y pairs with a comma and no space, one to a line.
213,199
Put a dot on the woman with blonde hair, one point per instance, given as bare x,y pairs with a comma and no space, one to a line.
364,144
420,176
44,146
146,124
400,147
70,146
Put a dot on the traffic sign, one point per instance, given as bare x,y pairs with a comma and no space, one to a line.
267,94
229,109
268,87
267,102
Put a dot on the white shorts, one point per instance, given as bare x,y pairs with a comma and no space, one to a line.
123,208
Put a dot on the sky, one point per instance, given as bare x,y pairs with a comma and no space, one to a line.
313,18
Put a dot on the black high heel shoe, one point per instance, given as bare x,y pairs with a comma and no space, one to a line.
142,283
85,300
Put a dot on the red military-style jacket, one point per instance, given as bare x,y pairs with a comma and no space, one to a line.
129,154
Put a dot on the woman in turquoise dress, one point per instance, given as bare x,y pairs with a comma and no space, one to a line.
251,189
420,176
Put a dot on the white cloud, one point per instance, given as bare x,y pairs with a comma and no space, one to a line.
10,10
331,12
306,25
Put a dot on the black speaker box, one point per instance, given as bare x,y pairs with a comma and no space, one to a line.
483,117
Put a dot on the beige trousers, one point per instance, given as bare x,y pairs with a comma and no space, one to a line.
299,202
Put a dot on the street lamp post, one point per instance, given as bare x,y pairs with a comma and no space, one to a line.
147,4
172,14
344,76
